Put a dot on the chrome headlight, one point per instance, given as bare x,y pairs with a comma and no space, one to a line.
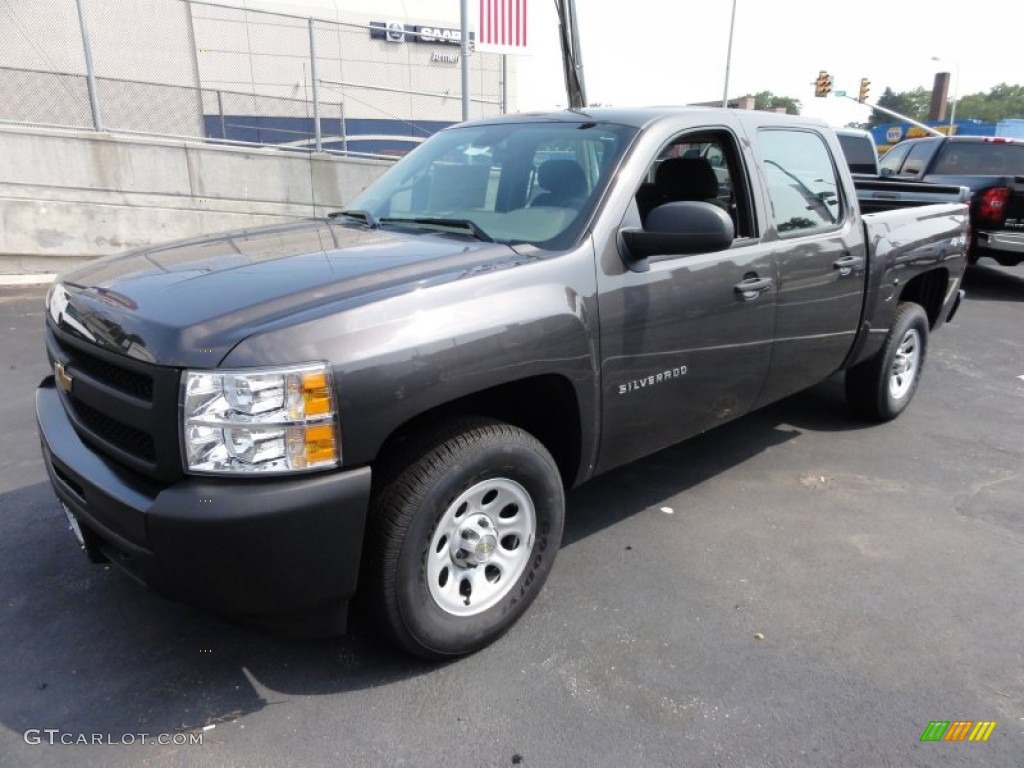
259,420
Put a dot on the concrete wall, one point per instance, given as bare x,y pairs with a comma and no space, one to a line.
68,196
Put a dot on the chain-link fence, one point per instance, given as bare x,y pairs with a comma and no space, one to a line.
197,69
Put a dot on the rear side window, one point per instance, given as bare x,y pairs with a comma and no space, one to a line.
981,158
802,182
860,153
893,159
918,158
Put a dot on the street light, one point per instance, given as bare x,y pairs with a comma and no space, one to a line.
956,92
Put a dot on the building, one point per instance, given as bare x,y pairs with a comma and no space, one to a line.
888,135
387,75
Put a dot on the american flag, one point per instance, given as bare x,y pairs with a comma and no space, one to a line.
502,25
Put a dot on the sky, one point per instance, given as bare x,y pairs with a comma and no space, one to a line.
674,51
656,52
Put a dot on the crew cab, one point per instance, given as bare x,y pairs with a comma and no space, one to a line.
991,167
394,400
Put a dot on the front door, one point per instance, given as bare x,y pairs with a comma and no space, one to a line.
683,347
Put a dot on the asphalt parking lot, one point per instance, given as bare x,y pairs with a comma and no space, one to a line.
793,589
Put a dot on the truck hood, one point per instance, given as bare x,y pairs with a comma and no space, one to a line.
188,303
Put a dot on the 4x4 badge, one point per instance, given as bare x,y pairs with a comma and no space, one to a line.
64,380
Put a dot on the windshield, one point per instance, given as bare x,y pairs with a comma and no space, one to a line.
510,182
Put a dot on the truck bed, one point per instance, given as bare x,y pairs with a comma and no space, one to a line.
875,193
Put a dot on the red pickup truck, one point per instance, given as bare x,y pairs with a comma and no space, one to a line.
993,169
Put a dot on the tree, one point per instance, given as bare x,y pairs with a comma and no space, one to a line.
1001,102
766,100
915,104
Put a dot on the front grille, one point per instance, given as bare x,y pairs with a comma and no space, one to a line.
138,384
132,441
125,408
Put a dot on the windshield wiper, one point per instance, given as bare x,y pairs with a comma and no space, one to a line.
364,216
460,226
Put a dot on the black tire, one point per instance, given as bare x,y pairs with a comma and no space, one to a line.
881,387
417,560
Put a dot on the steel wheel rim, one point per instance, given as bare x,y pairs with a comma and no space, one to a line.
481,546
905,364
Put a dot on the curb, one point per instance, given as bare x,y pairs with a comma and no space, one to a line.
38,279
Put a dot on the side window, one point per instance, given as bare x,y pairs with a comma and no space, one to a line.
802,182
918,158
893,159
702,167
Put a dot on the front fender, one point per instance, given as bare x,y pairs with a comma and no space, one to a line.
400,357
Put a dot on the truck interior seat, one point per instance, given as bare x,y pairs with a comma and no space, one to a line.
680,178
564,183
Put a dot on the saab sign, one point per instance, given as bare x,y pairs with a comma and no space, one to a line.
396,32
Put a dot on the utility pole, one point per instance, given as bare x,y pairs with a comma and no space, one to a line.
572,57
728,58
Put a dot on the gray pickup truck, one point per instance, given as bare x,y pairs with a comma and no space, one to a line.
397,398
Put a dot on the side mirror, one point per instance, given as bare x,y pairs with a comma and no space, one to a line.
886,173
676,229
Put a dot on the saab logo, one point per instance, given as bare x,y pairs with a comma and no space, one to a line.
958,730
396,32
439,35
391,31
894,134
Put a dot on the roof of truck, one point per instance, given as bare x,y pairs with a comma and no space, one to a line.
639,117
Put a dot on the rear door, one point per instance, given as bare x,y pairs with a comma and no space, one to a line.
818,246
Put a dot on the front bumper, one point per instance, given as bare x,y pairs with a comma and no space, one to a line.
277,551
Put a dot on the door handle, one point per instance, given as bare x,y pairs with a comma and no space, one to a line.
846,263
753,287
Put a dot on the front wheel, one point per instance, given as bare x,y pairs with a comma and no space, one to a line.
881,388
463,534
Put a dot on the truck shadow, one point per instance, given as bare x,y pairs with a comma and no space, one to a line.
633,488
89,651
991,283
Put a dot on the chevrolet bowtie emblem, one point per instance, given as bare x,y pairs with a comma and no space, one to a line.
64,380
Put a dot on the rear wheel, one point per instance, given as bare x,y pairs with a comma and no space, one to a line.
464,532
882,387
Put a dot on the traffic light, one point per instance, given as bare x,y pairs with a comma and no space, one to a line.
823,85
865,85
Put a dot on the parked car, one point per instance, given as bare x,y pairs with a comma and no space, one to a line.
991,167
397,398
